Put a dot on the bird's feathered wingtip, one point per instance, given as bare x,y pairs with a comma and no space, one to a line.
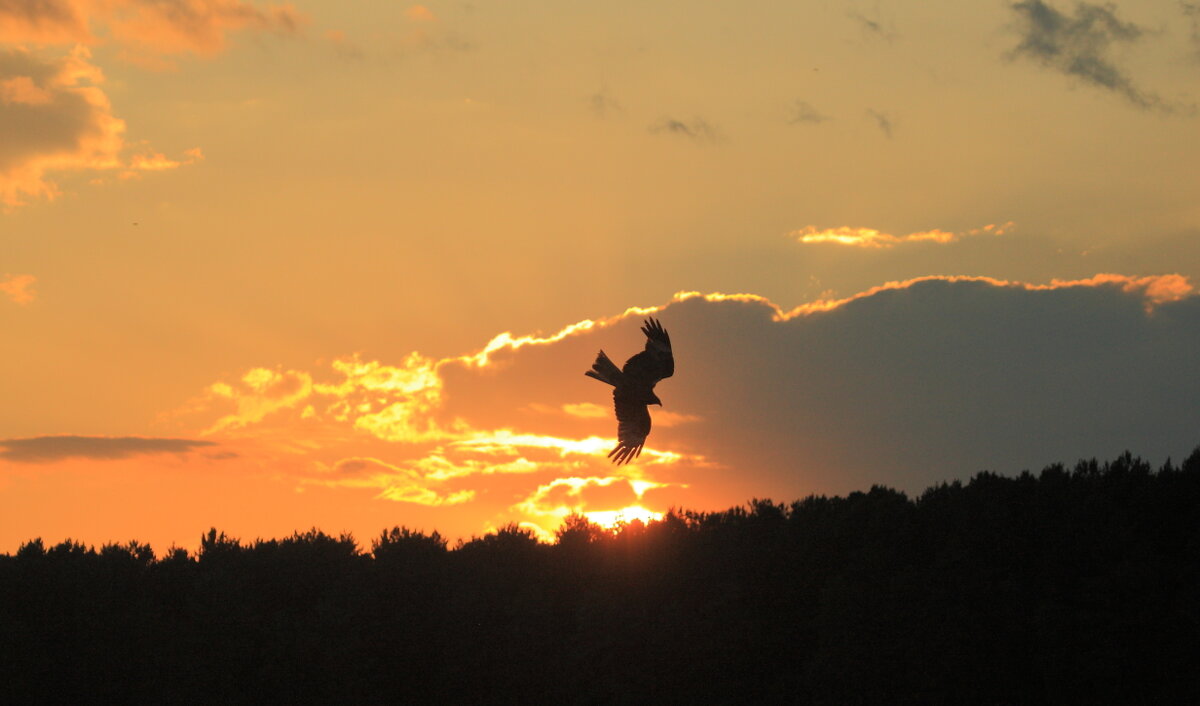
654,330
623,454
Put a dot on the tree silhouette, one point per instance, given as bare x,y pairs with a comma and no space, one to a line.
1073,585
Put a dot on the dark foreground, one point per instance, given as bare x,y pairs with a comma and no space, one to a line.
1072,586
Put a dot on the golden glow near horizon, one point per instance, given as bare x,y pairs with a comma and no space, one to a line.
611,519
274,265
304,415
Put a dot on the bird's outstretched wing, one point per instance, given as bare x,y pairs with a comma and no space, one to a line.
656,361
633,426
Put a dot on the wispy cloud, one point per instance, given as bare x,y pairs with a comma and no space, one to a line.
420,13
602,103
587,410
884,121
48,449
697,129
399,483
47,21
144,29
424,31
1192,11
881,28
871,238
18,288
803,113
1080,45
158,162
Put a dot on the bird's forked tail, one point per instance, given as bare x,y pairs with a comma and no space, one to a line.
605,370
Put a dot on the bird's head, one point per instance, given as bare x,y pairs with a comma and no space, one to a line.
653,399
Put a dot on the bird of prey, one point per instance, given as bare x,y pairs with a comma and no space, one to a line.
634,389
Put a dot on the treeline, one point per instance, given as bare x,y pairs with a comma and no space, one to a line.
1070,586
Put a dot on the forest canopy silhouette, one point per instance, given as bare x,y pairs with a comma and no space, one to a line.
1071,585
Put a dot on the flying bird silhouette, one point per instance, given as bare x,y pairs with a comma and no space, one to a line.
634,389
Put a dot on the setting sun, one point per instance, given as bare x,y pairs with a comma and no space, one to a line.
611,519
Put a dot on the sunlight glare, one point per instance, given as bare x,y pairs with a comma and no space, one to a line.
610,519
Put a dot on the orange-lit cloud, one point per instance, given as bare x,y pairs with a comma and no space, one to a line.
142,27
424,31
605,501
391,482
46,21
419,13
56,117
590,410
198,26
157,162
1153,289
871,238
54,114
587,410
18,288
429,445
259,393
825,397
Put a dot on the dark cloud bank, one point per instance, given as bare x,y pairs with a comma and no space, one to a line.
906,387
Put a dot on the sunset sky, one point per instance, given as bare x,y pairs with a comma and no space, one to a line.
342,264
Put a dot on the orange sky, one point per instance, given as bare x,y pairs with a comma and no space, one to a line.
258,261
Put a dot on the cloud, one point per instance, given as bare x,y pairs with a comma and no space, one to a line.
1079,46
48,449
553,502
587,410
905,384
425,32
393,482
698,129
874,239
804,113
18,288
602,103
873,27
429,445
1192,11
883,120
420,13
157,162
259,393
45,21
143,28
930,379
54,113
55,117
